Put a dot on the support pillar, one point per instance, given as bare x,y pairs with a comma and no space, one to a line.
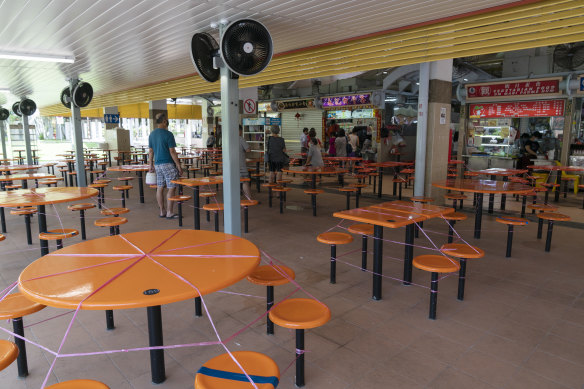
154,108
27,139
567,134
78,140
3,137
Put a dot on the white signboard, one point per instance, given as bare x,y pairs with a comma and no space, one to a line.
249,99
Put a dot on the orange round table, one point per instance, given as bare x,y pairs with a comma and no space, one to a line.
381,165
9,168
133,168
505,173
137,270
557,169
314,171
24,177
480,187
40,197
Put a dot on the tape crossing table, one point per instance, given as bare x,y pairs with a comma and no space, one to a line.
140,270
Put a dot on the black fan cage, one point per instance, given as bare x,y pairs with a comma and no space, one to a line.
66,97
16,108
4,114
203,49
246,47
27,107
83,94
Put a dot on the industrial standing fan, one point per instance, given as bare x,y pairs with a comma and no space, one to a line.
245,49
16,108
27,107
81,96
4,114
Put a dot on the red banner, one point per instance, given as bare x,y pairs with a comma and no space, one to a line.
513,88
540,108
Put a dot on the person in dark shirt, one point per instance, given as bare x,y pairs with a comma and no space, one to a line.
530,149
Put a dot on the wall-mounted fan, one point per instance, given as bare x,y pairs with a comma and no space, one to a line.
203,49
246,47
81,96
4,114
16,108
569,56
27,107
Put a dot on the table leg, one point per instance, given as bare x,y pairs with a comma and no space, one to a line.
409,254
155,339
377,261
314,181
43,228
197,213
559,182
478,215
380,178
504,196
3,220
24,184
141,186
109,158
395,183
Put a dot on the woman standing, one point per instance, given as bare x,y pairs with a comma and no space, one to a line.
354,141
276,156
332,151
341,144
314,157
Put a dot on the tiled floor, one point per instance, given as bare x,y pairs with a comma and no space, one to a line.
521,324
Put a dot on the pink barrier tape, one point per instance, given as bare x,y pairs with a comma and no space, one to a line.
199,245
28,341
51,318
126,350
241,294
6,291
397,242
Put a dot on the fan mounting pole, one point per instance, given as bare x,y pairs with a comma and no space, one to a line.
3,136
26,130
77,139
230,141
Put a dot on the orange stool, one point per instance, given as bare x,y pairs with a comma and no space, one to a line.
215,208
180,199
246,204
124,189
2,237
348,191
358,193
257,177
399,181
300,314
313,193
334,238
27,212
451,219
71,176
126,183
270,276
435,264
541,208
511,221
113,223
423,200
552,187
462,252
222,372
82,208
551,217
79,384
48,182
114,211
269,185
207,196
455,197
282,191
8,353
96,172
364,230
59,234
15,306
13,187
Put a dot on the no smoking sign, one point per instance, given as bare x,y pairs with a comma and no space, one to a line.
249,106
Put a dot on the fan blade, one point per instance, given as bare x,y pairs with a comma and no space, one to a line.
246,47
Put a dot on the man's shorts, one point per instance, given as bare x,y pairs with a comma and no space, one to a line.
165,173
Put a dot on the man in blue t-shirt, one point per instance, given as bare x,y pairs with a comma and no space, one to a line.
164,161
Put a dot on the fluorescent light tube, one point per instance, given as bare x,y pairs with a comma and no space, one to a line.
7,90
36,57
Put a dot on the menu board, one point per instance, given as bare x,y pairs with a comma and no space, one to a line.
363,114
540,108
542,87
340,114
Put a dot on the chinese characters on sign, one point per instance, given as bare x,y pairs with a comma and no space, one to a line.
542,108
343,101
513,88
296,104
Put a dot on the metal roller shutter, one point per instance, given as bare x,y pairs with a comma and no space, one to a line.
292,128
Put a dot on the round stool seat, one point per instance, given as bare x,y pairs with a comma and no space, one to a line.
286,181
79,384
81,206
58,234
471,174
48,182
269,185
454,196
222,372
248,203
207,194
2,237
97,185
72,173
268,275
567,178
257,174
102,181
408,171
194,169
374,174
460,250
542,207
17,305
15,186
398,180
550,185
114,211
553,216
456,216
313,191
110,221
512,220
8,353
358,185
281,189
213,207
580,186
347,189
361,229
300,313
97,171
180,198
334,238
539,189
23,211
420,199
122,187
436,263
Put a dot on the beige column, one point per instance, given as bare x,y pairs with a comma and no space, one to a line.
111,111
567,134
156,107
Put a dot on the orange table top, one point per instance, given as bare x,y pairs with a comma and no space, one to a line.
316,170
389,164
139,269
343,158
502,172
554,167
41,196
19,167
483,186
423,209
199,181
390,218
129,168
31,176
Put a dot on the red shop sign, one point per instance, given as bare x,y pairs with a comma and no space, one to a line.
544,87
540,108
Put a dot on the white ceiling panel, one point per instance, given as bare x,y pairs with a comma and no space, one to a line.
123,44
